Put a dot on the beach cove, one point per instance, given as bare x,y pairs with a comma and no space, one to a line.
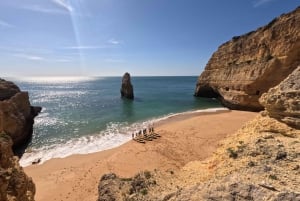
76,177
221,91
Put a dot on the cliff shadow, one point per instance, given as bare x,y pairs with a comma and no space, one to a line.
20,149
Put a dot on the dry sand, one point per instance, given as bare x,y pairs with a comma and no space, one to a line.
184,138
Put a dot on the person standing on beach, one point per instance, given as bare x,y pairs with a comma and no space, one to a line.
152,128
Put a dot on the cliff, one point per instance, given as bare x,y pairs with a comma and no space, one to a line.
16,113
242,69
14,183
16,122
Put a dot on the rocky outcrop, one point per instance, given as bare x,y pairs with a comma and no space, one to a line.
112,187
14,184
259,162
126,88
242,69
7,89
283,101
16,113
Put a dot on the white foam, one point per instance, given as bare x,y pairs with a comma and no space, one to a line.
83,145
114,135
209,110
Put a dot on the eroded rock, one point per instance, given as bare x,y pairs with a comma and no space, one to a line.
112,187
283,101
7,89
127,88
242,69
16,113
15,185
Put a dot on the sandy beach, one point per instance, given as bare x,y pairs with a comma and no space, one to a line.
184,138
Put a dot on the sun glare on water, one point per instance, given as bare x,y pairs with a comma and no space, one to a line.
56,79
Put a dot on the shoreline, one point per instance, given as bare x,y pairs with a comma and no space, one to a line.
192,138
96,143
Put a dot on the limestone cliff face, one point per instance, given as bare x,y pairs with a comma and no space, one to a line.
283,101
14,183
242,69
16,113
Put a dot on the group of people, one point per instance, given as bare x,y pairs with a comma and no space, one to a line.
143,132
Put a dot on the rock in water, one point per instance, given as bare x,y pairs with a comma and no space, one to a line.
16,113
242,69
127,89
283,101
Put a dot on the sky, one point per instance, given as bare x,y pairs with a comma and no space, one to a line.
110,37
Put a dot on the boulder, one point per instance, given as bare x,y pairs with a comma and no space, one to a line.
245,67
126,88
283,101
16,113
112,188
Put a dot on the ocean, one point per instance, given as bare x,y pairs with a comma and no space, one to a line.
85,115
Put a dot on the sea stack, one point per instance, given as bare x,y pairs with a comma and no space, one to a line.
127,88
247,66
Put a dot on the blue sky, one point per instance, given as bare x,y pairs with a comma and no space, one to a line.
110,37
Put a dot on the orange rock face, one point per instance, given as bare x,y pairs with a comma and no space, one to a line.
16,113
242,69
16,121
14,183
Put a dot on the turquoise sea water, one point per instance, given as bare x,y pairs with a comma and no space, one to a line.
84,115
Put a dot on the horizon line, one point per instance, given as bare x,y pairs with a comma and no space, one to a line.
91,76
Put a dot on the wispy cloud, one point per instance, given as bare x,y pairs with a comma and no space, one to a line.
5,24
39,54
57,7
113,41
30,57
114,61
33,57
62,60
41,9
64,4
25,50
85,47
261,2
